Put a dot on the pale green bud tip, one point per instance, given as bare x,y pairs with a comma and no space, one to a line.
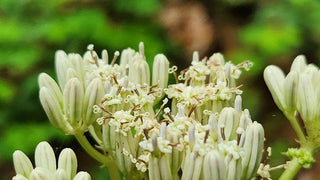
274,78
44,156
82,176
304,157
299,64
68,162
22,164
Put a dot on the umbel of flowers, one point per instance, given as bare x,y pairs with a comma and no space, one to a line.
147,129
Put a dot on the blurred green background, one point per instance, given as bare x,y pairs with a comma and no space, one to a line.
265,32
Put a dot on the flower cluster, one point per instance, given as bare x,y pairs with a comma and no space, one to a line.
199,131
297,95
45,161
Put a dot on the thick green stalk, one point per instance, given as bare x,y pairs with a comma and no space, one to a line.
111,166
291,171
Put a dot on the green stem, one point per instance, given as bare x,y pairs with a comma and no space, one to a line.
291,171
295,125
111,166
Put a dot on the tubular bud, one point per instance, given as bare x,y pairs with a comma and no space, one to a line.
160,71
72,102
228,119
274,78
44,156
139,72
22,164
291,90
299,64
68,162
253,147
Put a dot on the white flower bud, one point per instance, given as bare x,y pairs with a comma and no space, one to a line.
60,174
82,176
214,166
253,147
68,162
53,109
44,156
46,81
94,93
228,119
22,164
299,64
307,98
160,69
127,57
40,173
274,79
291,90
72,102
139,72
62,64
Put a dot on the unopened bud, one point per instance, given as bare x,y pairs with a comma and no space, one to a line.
94,93
68,162
274,78
299,64
139,72
44,156
291,90
72,102
22,164
253,147
160,69
228,118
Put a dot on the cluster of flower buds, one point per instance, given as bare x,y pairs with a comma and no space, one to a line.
298,95
45,162
203,134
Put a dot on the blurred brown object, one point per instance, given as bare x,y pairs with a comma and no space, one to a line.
189,25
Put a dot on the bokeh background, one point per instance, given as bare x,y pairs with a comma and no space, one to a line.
264,32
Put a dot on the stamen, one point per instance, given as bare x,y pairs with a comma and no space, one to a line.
136,91
165,101
206,136
222,133
119,90
192,109
116,55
